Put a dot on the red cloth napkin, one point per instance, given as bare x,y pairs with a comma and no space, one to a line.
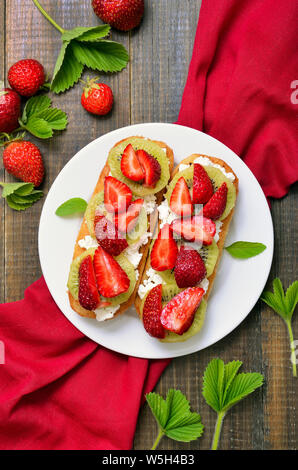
58,389
238,88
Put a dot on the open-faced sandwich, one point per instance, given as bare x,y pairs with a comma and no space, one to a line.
113,241
194,219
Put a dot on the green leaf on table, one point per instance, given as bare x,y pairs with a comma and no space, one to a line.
39,127
19,188
40,119
223,387
18,207
174,418
56,118
284,305
72,206
86,34
245,250
35,104
20,196
30,198
106,56
67,70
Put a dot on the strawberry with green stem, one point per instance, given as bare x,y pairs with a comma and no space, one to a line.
97,98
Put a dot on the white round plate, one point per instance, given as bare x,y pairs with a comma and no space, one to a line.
238,284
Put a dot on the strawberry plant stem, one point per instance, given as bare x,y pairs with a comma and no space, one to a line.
217,430
160,435
47,16
292,344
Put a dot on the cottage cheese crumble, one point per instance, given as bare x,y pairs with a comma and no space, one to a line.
105,313
88,242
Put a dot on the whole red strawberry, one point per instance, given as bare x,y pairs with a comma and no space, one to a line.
97,98
121,14
23,160
189,268
26,76
10,107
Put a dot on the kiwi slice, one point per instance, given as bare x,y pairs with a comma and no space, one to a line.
217,178
94,202
139,229
132,237
73,279
194,329
114,162
168,276
168,292
209,254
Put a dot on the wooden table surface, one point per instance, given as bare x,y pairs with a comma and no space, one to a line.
149,90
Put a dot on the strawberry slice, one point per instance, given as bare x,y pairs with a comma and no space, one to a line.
215,207
180,201
130,165
117,195
178,314
202,185
126,221
110,277
108,237
88,294
164,251
152,311
189,268
151,168
195,229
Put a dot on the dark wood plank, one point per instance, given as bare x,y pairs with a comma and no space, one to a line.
38,39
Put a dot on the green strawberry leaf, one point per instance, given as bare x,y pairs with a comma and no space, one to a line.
223,387
56,118
106,56
174,417
39,127
25,189
30,198
67,70
18,188
86,34
245,250
74,205
35,104
15,206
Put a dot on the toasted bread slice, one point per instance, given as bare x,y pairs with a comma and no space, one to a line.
224,228
74,303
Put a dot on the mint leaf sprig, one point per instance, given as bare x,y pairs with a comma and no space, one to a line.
75,205
174,418
41,119
223,387
244,250
82,47
20,196
284,305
